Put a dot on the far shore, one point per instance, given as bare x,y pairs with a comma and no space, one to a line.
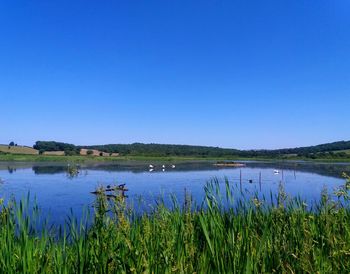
99,159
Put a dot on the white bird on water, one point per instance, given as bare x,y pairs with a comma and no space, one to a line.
276,171
172,166
163,166
151,166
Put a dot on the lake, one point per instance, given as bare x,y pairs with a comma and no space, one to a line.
57,193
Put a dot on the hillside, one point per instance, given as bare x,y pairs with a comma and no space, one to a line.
329,150
333,149
18,150
329,147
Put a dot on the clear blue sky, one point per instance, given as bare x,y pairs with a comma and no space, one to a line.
241,74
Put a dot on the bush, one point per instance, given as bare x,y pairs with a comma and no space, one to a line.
70,152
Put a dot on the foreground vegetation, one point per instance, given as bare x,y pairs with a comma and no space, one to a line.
223,235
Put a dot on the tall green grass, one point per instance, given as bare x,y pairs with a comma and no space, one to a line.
251,236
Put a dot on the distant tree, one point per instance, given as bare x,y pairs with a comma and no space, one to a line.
12,144
312,156
68,152
41,151
140,149
89,152
341,154
55,146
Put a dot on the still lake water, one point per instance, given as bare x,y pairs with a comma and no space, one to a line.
57,194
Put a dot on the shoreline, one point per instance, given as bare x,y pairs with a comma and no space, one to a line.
101,159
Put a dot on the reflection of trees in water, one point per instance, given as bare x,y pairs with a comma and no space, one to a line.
332,170
11,169
71,170
49,169
144,167
134,168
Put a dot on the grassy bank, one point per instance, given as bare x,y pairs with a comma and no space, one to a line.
81,159
253,237
84,159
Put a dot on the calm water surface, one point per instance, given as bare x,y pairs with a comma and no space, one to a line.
57,194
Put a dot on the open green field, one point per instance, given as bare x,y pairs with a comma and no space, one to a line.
56,158
347,151
18,150
82,159
254,236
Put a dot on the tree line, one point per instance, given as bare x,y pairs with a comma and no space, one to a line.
69,149
140,149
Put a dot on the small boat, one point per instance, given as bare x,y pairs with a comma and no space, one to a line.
276,171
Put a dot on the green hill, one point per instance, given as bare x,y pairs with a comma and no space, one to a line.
329,150
18,150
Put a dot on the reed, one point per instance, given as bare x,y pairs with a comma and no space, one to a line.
228,233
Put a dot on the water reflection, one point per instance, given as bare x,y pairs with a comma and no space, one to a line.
326,169
11,169
57,193
49,169
335,170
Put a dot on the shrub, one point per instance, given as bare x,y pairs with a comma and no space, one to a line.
70,152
